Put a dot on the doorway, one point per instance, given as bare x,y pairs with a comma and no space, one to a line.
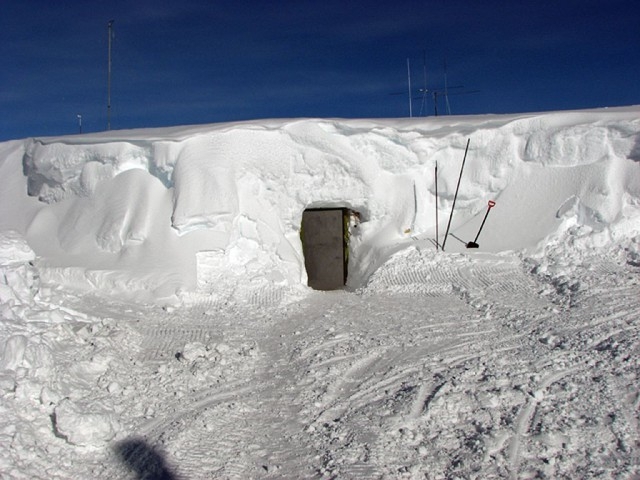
325,244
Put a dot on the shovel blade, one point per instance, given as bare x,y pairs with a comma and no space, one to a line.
472,245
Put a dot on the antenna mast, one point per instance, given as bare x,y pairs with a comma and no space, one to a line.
446,88
110,30
424,90
409,82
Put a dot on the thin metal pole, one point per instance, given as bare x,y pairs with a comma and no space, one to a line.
409,83
415,208
444,242
446,89
110,27
424,90
437,233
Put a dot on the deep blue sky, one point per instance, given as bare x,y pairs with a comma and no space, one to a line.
197,61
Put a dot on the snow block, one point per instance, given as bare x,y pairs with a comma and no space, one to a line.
83,427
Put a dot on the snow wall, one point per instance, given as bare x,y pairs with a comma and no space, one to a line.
210,208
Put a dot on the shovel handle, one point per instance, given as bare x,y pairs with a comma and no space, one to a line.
474,244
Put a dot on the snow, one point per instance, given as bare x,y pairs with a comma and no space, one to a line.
156,321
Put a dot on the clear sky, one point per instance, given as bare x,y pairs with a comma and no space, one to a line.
177,62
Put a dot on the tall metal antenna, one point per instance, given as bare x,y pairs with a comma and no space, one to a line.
434,93
409,82
424,90
446,88
110,31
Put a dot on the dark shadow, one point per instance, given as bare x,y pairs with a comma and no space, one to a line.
144,460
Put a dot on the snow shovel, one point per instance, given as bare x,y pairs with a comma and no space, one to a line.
474,244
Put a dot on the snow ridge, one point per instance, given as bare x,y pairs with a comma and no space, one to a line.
130,201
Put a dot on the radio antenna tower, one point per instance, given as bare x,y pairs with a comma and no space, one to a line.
446,88
110,31
423,104
409,83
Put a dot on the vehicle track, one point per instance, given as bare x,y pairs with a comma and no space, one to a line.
335,386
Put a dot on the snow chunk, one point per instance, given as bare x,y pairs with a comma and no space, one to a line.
19,284
192,351
14,248
13,352
84,426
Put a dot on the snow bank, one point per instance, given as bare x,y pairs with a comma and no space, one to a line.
461,364
174,210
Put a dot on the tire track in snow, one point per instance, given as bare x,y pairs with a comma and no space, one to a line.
401,367
363,383
344,386
162,342
605,319
394,382
201,429
196,436
525,416
387,369
267,297
226,430
180,409
307,352
469,346
426,279
216,442
475,272
425,395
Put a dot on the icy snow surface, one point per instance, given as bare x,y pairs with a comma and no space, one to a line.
156,321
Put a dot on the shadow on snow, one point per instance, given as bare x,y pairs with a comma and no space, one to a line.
143,460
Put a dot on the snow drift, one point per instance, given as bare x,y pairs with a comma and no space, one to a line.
202,208
516,360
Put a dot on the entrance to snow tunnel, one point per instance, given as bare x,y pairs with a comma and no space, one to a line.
325,244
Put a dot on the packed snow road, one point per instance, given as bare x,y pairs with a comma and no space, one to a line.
442,367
